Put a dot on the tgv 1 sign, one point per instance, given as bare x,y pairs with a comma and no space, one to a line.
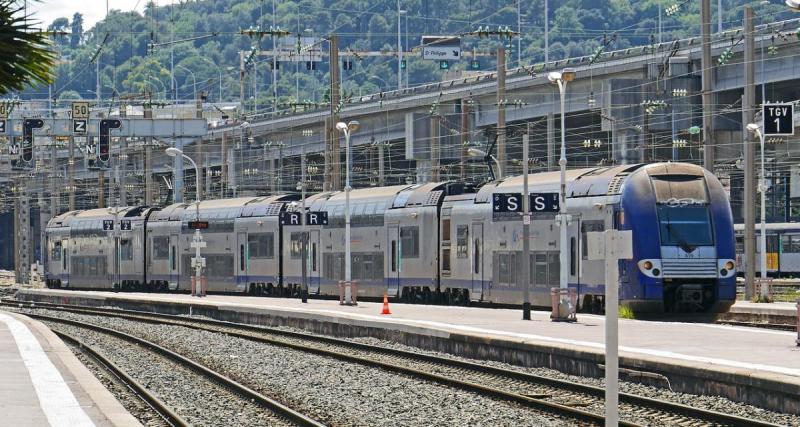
441,48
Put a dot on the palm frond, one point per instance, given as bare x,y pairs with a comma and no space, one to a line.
25,54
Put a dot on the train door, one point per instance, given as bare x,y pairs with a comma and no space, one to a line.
117,257
241,276
313,262
393,276
174,271
477,262
64,262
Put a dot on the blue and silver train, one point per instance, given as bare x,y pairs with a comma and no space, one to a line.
435,242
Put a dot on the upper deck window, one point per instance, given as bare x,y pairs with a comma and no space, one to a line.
680,189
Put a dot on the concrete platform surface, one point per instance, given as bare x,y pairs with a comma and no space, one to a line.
740,349
775,308
44,384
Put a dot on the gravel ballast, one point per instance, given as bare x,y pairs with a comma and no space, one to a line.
329,390
197,400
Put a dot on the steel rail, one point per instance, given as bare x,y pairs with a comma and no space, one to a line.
161,408
275,406
594,391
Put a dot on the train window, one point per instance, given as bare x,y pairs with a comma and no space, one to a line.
55,253
64,260
553,268
679,187
296,244
573,256
394,255
446,230
172,259
160,247
409,242
445,260
125,250
790,243
504,266
242,257
313,257
540,269
261,245
462,241
588,227
476,257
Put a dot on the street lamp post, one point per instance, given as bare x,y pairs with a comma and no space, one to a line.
476,152
399,51
198,262
347,129
194,80
562,78
382,81
762,188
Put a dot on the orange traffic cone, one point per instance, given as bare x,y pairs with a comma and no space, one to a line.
385,304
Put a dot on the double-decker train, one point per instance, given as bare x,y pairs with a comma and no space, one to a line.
436,242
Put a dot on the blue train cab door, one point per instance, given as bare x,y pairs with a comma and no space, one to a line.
393,270
477,262
313,262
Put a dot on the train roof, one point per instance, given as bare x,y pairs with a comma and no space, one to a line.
226,208
97,215
585,182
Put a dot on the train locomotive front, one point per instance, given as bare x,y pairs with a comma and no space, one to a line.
684,247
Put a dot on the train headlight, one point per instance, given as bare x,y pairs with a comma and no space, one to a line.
650,267
726,268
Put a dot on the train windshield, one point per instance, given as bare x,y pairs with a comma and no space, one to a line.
685,226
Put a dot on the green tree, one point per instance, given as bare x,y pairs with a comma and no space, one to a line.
77,30
25,55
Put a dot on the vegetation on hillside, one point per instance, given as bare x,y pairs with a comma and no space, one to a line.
135,53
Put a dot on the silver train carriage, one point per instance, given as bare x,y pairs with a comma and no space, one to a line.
435,242
783,249
96,249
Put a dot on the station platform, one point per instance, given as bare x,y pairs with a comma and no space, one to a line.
752,365
44,384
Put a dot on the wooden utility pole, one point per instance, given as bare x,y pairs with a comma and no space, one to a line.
749,205
707,70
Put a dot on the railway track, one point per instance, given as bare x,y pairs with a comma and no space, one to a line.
239,394
578,401
135,388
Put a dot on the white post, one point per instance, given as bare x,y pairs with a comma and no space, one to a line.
611,246
526,230
304,242
762,188
347,255
562,205
546,33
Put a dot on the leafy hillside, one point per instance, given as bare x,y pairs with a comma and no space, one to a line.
128,64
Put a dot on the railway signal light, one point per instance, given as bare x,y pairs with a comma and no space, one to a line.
103,145
27,137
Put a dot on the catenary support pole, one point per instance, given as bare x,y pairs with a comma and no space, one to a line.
501,110
707,97
749,205
526,229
